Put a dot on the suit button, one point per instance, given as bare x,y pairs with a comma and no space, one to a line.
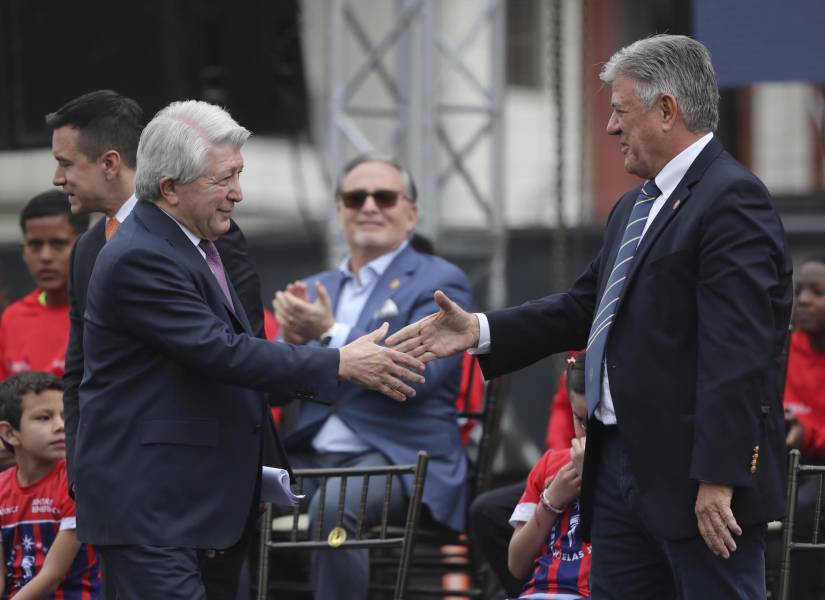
257,429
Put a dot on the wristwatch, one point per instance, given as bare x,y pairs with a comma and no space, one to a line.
326,337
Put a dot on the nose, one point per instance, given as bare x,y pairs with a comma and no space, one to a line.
46,252
369,204
59,423
235,191
613,125
59,177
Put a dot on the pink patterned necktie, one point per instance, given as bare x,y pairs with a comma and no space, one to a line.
213,259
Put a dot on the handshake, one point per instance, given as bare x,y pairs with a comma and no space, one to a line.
391,368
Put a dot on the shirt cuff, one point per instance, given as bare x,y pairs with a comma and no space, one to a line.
340,332
483,336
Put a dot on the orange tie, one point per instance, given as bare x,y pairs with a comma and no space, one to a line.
111,226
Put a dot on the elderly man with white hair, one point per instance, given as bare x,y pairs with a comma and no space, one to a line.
168,451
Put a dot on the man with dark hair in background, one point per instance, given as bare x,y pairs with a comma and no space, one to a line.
94,141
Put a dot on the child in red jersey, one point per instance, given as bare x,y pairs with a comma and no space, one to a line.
546,539
41,555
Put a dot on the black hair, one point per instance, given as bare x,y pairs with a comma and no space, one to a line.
575,373
15,387
105,121
406,177
53,203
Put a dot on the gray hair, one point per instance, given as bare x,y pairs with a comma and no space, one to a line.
671,64
176,143
406,179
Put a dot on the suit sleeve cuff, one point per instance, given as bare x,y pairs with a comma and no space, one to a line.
483,336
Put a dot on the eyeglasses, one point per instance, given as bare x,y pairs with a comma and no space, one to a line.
355,199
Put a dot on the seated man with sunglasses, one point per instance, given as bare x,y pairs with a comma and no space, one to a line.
382,280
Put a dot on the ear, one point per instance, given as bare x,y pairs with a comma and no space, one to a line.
168,191
9,434
668,110
412,217
111,162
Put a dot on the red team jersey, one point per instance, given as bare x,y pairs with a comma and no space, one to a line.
30,518
805,394
563,568
33,337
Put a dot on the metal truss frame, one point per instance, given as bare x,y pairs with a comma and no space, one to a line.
414,109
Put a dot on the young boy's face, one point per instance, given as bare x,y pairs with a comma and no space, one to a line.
579,404
41,434
47,244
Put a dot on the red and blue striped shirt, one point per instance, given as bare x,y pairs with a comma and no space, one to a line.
562,569
30,518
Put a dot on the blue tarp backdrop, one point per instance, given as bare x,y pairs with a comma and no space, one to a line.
763,40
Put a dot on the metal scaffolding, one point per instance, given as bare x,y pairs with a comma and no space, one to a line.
418,110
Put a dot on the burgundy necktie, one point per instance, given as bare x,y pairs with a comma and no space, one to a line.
213,259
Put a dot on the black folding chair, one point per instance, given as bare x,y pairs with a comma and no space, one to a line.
442,555
297,536
795,472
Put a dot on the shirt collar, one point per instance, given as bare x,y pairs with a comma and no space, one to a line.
125,209
377,266
191,236
673,172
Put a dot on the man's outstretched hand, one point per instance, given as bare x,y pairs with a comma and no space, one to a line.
449,331
378,368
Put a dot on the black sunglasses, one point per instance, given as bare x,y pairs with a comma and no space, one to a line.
355,199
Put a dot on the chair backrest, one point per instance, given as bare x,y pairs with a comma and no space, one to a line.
299,536
489,418
795,472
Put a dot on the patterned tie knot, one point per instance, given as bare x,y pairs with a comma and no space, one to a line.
208,247
650,189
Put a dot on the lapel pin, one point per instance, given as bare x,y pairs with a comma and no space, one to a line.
676,204
394,283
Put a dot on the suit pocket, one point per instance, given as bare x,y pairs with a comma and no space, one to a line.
184,432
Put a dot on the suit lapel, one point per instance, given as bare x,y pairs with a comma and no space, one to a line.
676,201
333,281
396,275
161,224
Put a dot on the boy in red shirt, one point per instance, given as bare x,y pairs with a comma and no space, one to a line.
546,538
41,555
34,331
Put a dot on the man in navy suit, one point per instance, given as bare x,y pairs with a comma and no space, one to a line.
94,140
686,307
382,280
168,447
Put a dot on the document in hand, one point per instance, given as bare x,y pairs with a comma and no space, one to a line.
275,488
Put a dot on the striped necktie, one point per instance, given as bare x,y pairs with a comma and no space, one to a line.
612,293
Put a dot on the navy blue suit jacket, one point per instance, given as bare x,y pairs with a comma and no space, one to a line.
424,422
169,436
693,352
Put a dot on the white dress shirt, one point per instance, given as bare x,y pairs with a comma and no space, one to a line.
667,180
